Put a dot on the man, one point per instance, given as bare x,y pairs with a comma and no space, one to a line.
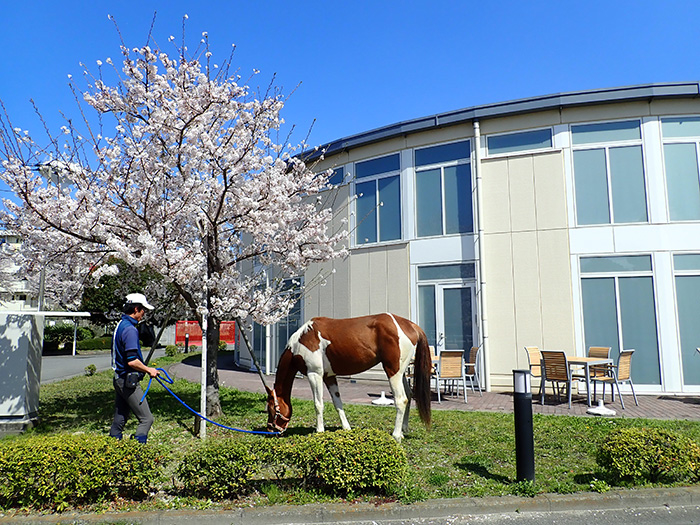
129,369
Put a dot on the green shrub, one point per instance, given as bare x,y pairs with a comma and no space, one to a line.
220,469
61,332
84,333
98,343
350,461
171,350
649,454
58,471
223,346
90,370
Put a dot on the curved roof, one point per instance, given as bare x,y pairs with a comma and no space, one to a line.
514,107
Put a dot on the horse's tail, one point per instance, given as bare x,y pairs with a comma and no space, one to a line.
421,375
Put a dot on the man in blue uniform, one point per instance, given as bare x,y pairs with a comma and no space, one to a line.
129,369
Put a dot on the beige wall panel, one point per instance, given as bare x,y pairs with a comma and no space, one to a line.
495,196
398,281
557,306
605,112
377,149
521,188
499,303
376,281
328,290
526,286
675,107
550,191
359,279
519,122
437,136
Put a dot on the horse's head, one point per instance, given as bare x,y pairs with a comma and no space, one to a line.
278,412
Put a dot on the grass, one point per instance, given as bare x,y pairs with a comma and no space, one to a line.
464,454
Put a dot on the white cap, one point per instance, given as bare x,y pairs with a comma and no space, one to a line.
138,298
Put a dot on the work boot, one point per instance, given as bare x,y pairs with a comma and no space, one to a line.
141,439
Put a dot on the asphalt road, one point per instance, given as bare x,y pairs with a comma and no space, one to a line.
57,367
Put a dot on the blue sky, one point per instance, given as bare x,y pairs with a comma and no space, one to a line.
361,64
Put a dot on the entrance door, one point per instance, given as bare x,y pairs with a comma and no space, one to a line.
447,316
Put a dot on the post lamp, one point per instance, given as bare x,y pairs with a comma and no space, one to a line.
522,412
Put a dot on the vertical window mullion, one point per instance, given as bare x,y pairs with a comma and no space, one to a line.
608,176
444,204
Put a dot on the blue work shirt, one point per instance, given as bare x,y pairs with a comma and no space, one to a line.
125,345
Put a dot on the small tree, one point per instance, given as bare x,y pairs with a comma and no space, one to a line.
181,173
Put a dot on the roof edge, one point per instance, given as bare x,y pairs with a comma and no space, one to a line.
502,109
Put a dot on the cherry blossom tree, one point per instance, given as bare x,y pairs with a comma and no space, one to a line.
176,167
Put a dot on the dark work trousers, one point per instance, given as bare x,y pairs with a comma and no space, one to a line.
125,402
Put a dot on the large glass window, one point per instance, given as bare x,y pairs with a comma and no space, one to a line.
521,141
378,203
443,190
609,178
681,142
619,311
687,271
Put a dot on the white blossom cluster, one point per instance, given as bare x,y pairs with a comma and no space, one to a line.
188,163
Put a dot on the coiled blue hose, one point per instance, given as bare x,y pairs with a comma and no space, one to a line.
170,381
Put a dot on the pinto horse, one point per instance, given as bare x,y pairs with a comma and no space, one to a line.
324,348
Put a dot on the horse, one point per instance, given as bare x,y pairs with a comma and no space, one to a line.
324,348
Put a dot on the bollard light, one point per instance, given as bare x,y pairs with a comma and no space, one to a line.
524,439
187,343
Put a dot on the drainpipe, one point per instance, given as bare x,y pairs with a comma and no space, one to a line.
484,332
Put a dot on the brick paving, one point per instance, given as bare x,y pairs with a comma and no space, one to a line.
682,407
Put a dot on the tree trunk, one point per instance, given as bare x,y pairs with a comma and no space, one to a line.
213,401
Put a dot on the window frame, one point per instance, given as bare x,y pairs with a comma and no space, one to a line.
524,151
375,178
606,146
686,139
460,161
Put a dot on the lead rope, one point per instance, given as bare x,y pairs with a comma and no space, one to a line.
170,381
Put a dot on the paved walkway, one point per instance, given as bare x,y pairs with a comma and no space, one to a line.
364,391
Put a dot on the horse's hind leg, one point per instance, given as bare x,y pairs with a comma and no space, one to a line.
407,390
401,402
332,385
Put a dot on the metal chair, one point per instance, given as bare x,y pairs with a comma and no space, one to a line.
555,368
617,374
472,368
534,361
451,370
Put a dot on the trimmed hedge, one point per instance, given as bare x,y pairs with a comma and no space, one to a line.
98,343
350,461
58,471
220,469
649,454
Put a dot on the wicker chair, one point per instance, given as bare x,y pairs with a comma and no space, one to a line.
472,368
534,361
451,370
617,374
555,368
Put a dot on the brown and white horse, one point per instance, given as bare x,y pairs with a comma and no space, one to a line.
324,348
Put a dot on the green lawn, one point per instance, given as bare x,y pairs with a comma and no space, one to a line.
464,454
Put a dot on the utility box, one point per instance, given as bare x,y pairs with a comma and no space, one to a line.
21,337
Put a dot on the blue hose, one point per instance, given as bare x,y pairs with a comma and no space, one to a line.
170,381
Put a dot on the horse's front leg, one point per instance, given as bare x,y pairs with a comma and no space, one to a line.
401,403
332,385
316,383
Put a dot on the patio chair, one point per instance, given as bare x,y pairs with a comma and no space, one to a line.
615,375
534,361
555,368
604,353
472,368
450,371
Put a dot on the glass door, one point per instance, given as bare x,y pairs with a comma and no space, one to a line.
447,316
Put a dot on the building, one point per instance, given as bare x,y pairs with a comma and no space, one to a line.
561,221
14,291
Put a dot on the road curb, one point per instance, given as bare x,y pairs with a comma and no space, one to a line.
366,512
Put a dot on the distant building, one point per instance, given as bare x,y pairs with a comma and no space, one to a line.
14,291
561,221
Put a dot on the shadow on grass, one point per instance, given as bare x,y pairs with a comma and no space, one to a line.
480,470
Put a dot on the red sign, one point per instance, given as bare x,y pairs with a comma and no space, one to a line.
227,332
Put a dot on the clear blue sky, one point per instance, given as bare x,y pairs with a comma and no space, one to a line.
361,64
